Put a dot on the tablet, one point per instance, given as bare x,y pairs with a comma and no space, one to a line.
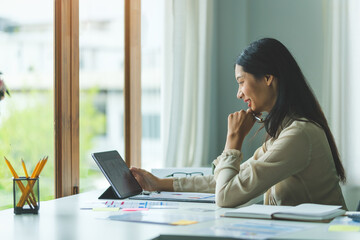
118,174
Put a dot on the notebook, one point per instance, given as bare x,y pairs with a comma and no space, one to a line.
124,185
302,212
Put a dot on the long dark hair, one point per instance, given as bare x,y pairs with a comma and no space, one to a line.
294,96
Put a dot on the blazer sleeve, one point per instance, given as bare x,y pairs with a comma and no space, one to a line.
237,184
205,184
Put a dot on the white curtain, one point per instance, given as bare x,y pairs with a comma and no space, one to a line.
186,86
342,83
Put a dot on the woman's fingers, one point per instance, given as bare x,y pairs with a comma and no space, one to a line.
239,125
136,174
240,122
146,180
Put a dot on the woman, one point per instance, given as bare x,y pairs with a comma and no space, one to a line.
299,162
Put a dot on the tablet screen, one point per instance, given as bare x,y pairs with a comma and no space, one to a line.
117,173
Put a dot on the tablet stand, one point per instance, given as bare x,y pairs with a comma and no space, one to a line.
109,194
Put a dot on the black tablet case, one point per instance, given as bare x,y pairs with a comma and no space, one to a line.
109,194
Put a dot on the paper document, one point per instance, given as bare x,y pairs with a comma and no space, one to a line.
178,197
129,204
251,229
162,218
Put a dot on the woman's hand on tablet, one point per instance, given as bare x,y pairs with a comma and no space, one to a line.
149,182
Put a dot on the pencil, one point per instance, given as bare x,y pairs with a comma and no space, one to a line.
24,167
20,184
27,176
29,186
39,167
42,165
35,169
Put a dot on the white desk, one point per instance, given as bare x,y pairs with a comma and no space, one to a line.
62,219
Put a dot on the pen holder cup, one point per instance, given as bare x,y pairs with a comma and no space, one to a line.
26,195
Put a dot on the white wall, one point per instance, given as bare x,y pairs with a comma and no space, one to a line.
231,39
299,26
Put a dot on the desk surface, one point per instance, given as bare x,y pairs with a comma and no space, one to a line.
62,219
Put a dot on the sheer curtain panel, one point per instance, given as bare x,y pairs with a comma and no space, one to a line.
186,86
341,83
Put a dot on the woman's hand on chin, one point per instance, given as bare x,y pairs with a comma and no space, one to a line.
239,125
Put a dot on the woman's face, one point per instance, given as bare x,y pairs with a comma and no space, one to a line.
259,94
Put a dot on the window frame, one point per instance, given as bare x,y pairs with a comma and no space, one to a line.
132,85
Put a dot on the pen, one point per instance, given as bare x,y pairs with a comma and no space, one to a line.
258,119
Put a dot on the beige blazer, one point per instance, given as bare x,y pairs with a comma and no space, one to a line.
296,167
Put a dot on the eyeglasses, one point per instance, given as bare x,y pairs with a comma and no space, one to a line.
185,174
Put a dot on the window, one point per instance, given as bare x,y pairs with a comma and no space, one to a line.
152,52
101,36
103,57
27,117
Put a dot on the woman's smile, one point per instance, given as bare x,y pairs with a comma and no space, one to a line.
258,93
